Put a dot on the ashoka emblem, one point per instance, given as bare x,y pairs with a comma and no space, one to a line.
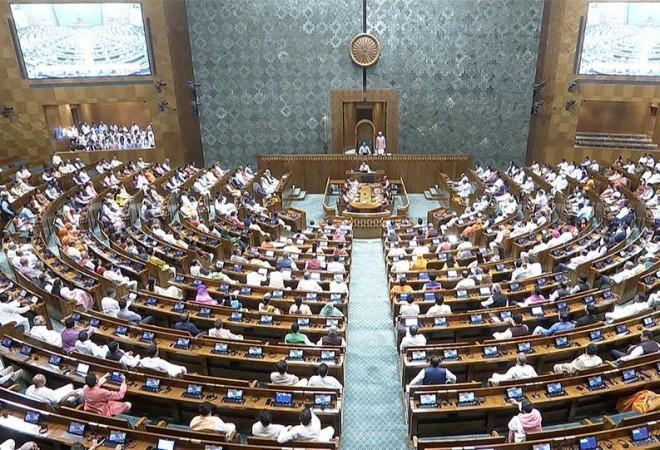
365,50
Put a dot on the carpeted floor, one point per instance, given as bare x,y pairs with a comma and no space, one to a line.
373,407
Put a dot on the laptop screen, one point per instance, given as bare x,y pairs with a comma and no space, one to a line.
26,350
419,355
554,388
267,320
537,311
235,394
165,444
561,341
484,290
54,360
450,354
461,293
32,417
283,398
491,350
588,443
514,393
328,355
303,322
148,336
410,321
152,384
648,321
236,316
465,397
428,399
544,446
515,286
77,428
221,348
622,329
476,318
151,301
322,400
596,335
640,434
595,382
117,437
183,342
629,374
82,369
295,353
440,321
194,389
524,347
205,312
7,342
255,351
121,330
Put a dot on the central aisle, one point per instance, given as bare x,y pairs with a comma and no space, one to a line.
373,410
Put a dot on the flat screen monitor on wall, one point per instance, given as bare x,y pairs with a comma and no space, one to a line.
81,40
621,39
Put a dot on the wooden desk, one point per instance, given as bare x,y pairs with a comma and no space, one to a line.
311,171
365,177
366,201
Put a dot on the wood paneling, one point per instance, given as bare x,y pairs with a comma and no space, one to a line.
603,116
419,172
552,131
388,97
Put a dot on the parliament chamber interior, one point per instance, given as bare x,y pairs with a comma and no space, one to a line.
338,224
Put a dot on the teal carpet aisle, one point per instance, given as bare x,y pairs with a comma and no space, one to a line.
373,411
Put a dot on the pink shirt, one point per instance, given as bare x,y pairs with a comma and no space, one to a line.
104,402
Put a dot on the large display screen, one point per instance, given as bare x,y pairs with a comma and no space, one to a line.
73,40
621,38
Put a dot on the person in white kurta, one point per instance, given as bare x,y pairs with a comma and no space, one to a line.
40,392
152,361
265,428
520,371
41,331
412,338
309,429
324,380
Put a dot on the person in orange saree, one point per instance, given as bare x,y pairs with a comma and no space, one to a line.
103,401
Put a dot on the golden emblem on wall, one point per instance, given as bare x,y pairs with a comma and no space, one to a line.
364,50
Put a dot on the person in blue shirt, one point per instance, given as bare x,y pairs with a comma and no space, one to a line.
563,324
186,325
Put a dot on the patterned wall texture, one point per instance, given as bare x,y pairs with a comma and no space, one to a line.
465,70
266,69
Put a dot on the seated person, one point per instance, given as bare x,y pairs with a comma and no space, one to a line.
309,429
636,306
296,337
103,401
220,332
38,391
439,308
282,377
265,428
516,329
186,325
324,380
646,345
587,360
332,339
589,317
151,360
207,421
520,371
434,374
40,331
409,307
563,324
412,338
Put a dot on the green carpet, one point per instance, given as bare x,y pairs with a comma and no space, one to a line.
373,410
